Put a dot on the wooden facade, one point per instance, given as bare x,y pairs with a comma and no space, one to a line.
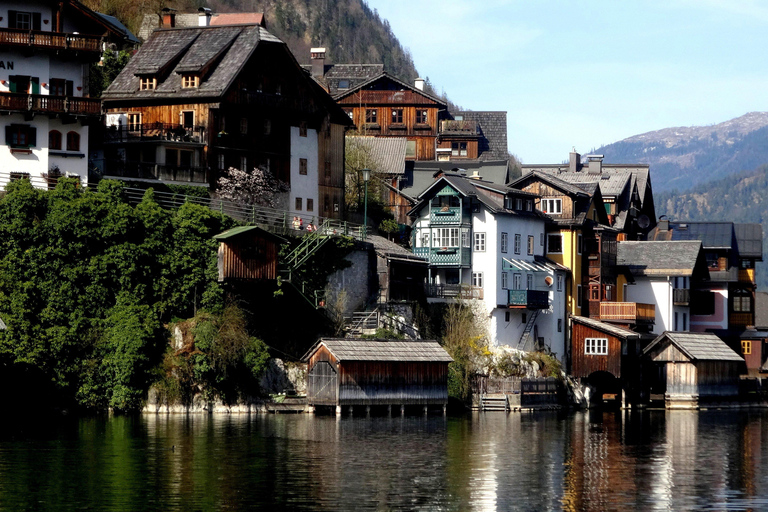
247,253
582,364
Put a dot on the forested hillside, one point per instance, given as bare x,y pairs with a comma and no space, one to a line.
740,197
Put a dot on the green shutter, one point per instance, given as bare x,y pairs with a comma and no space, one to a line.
12,19
12,79
36,21
9,136
35,84
32,136
70,88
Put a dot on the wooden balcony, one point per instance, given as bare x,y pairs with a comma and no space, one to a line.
49,40
453,291
466,128
741,319
44,104
681,297
747,275
631,312
152,171
156,132
445,256
529,299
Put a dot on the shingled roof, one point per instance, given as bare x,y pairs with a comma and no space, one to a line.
354,74
492,144
697,346
386,154
607,328
749,237
353,349
663,258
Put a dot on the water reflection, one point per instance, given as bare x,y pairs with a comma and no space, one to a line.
650,460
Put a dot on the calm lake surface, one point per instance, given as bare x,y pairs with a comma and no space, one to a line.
651,460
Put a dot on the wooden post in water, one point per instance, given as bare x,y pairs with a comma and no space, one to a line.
402,410
426,409
338,411
367,411
445,410
389,410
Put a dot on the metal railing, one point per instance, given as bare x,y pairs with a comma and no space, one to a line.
53,40
453,291
43,103
531,299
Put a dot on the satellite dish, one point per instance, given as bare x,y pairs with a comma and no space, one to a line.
643,221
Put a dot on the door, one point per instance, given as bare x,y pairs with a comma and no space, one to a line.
323,384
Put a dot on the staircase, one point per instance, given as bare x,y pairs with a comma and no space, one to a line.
362,322
494,402
526,337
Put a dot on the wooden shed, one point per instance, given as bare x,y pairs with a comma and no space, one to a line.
247,253
690,366
360,372
600,347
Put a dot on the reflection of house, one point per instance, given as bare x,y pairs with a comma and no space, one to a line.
754,341
247,253
47,48
691,367
486,242
356,372
195,101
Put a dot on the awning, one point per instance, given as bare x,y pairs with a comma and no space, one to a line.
545,266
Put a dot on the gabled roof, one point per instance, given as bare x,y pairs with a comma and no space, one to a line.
354,74
420,175
386,76
749,237
663,258
713,235
353,349
697,346
613,330
555,182
248,230
390,250
386,154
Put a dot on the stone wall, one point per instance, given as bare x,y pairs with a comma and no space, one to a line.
349,289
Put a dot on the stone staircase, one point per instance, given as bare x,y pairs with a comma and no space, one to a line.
362,323
494,402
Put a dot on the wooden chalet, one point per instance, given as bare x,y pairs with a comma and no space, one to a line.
247,253
196,101
357,372
689,367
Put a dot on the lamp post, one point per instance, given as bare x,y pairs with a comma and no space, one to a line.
366,177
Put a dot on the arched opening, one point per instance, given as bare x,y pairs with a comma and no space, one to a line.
606,390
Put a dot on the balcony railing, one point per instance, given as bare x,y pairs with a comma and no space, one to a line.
151,171
156,132
41,103
741,319
453,291
531,299
681,297
465,128
632,312
53,40
747,275
445,215
448,256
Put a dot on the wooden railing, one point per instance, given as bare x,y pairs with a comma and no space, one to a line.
156,131
43,103
632,311
54,40
453,291
681,296
742,319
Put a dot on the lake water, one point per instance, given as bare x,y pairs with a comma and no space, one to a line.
651,460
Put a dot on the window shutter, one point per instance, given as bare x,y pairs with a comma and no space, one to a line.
32,136
12,79
36,21
12,19
9,136
35,80
70,88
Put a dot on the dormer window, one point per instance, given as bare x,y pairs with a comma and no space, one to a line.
148,83
189,81
552,206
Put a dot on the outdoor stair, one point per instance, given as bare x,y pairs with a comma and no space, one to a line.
494,402
526,336
362,322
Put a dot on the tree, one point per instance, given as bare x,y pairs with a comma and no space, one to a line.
466,340
103,73
259,187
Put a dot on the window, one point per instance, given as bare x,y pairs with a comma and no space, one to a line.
559,325
477,279
530,244
703,303
190,81
504,242
504,280
742,302
607,292
746,347
541,239
371,116
465,238
529,205
57,87
73,141
397,116
243,163
424,239
410,149
267,127
148,83
675,324
578,295
421,116
310,204
685,321
506,316
303,166
518,242
327,203
553,206
559,282
579,246
220,158
479,241
298,204
517,281
24,20
188,119
21,136
747,264
445,237
555,244
244,125
336,207
458,149
529,281
518,204
343,84
134,122
303,129
596,346
54,139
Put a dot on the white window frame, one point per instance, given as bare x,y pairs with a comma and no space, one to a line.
517,281
518,204
479,242
424,239
552,206
596,346
477,279
518,242
531,243
504,281
504,242
559,278
529,281
465,238
445,237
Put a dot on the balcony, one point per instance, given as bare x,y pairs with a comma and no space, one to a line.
747,275
445,215
453,291
741,319
156,132
49,40
631,312
152,171
459,128
446,257
44,104
681,297
530,299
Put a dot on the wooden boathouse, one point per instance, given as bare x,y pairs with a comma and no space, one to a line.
248,253
351,372
689,367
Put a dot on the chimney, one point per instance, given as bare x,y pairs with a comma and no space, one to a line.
318,62
574,161
663,223
169,18
595,164
475,175
419,84
204,17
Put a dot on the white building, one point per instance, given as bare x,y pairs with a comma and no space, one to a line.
484,242
45,53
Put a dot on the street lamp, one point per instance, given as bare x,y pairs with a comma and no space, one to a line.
366,177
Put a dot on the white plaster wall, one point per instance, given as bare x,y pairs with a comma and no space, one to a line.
304,186
45,10
486,261
659,292
720,319
33,65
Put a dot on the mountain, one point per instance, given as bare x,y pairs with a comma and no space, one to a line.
684,157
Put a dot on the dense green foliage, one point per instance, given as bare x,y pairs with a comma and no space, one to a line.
87,281
103,73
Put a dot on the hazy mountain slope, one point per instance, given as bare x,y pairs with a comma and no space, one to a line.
683,157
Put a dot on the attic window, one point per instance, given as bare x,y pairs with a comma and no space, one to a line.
190,81
148,83
343,84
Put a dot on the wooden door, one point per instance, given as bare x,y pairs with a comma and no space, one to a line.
323,384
